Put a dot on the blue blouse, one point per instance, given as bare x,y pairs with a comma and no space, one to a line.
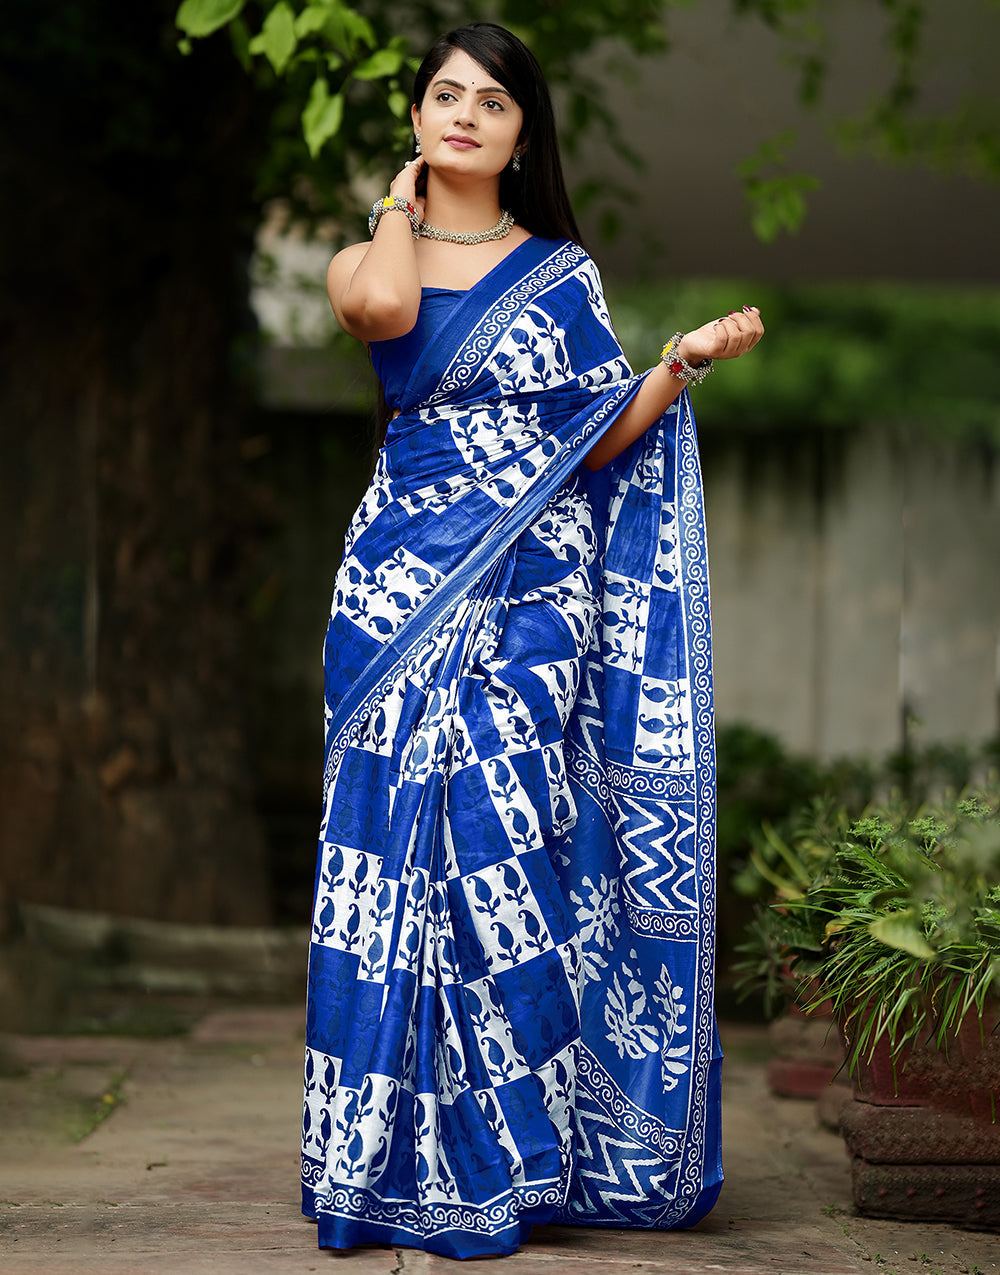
393,360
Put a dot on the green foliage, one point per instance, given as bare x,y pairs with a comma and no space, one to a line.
198,18
277,39
322,116
777,201
894,918
337,75
757,781
336,72
843,354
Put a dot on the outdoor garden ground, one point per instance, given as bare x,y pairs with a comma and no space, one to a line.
179,1155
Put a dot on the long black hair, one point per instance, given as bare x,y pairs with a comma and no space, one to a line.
537,194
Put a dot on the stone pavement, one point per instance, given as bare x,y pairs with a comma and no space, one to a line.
180,1155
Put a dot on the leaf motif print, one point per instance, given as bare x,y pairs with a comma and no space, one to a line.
497,1056
373,965
324,924
510,949
533,928
627,1034
377,1163
488,905
349,934
597,915
514,883
675,1065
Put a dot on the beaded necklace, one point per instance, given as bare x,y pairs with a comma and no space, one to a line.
499,231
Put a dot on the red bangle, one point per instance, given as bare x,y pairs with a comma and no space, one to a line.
392,203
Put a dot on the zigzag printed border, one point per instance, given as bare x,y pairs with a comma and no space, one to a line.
698,642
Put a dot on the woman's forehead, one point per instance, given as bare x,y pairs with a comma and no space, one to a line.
463,69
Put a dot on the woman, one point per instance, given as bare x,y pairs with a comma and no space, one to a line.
510,1001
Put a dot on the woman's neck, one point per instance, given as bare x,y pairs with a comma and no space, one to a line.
461,208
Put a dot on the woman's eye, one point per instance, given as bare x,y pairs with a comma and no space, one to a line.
493,104
445,96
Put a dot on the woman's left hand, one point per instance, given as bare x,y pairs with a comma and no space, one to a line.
726,338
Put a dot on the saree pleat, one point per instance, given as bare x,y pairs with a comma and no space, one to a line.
510,1014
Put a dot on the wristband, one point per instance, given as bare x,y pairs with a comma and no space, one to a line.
680,367
392,203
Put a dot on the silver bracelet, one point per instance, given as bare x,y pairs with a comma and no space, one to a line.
680,367
393,203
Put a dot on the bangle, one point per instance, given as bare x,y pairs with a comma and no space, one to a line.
392,203
680,367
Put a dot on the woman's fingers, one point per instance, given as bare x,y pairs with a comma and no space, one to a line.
404,183
725,338
737,332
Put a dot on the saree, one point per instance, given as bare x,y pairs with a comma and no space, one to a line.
510,1003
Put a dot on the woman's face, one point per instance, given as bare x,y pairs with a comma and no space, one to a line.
468,123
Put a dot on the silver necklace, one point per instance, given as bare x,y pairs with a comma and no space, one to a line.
499,231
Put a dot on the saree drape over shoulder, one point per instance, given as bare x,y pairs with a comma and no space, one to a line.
511,974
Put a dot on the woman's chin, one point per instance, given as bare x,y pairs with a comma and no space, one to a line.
462,166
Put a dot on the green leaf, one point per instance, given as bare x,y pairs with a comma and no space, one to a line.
240,37
345,29
399,104
902,931
311,19
202,17
277,36
322,116
382,62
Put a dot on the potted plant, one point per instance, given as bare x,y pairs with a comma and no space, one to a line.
807,1053
898,928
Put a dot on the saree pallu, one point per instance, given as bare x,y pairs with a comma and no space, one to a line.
510,1013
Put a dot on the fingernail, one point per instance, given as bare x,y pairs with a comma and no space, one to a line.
747,309
733,311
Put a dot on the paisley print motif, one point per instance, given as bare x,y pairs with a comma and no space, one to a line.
510,987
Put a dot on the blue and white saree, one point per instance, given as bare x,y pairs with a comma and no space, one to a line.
511,974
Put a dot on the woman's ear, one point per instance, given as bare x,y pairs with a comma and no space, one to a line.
415,117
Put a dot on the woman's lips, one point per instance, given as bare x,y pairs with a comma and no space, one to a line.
462,143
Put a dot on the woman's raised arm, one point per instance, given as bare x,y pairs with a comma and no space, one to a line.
726,338
374,288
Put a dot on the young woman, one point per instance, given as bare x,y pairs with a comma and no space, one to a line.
510,996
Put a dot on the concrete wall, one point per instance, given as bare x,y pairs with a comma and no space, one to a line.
854,582
855,585
725,85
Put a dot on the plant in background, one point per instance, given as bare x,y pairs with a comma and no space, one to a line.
342,68
894,918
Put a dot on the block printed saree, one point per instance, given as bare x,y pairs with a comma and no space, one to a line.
510,1015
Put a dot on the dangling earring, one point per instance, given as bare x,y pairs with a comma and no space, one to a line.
515,161
416,143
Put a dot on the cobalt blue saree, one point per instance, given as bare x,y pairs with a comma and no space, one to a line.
510,1015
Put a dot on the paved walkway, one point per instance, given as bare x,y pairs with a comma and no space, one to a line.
194,1169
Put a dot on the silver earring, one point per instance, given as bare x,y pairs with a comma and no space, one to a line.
515,161
416,143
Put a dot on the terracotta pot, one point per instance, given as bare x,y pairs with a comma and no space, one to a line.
808,1053
963,1079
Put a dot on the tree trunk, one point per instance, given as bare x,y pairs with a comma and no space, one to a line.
125,517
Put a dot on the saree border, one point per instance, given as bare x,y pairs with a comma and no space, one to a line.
377,677
696,606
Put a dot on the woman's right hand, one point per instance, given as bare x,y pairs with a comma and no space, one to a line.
404,184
